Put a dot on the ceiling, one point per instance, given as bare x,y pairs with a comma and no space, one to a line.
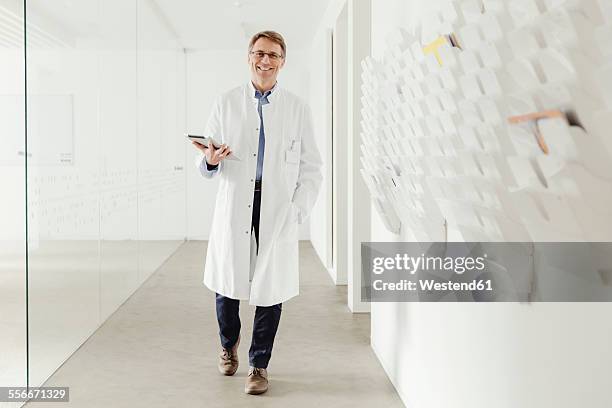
228,24
199,24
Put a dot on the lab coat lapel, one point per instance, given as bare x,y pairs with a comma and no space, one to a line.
273,120
252,118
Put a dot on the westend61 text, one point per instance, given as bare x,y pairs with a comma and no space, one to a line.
432,285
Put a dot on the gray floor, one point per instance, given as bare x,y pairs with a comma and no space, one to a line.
160,348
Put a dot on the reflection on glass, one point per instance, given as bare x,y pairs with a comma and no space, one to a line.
63,177
12,182
161,180
105,183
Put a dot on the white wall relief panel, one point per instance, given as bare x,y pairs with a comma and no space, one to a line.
438,108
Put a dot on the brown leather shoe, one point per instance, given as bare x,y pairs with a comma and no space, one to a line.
228,359
257,381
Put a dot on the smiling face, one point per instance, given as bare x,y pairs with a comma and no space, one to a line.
266,59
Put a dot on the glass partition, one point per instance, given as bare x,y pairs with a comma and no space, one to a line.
161,182
105,183
92,162
117,152
64,180
13,342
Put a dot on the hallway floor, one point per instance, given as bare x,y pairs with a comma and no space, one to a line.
159,349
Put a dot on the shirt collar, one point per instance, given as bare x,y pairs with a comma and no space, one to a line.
271,90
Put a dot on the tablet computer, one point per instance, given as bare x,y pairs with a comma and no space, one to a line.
205,140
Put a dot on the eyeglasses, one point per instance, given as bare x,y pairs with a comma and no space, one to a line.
272,55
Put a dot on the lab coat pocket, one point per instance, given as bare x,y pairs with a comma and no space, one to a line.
292,161
295,213
292,157
289,230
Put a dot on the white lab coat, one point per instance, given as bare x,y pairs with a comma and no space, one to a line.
290,183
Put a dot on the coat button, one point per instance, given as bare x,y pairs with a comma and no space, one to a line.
252,180
254,155
249,205
246,232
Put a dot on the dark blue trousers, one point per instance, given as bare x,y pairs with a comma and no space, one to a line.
266,320
265,326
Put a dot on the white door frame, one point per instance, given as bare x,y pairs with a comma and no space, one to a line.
340,151
359,224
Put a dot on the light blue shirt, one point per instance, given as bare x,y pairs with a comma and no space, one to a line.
262,100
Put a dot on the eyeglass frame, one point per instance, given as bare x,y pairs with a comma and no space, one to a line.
271,55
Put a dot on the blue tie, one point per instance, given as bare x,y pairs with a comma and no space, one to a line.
262,100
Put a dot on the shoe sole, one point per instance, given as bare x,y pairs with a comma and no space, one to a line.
228,374
254,392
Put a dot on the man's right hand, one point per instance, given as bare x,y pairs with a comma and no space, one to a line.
213,156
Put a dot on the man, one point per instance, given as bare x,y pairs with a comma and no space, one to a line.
263,196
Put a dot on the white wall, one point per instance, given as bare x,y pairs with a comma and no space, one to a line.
487,355
359,218
321,83
320,95
349,213
340,195
209,74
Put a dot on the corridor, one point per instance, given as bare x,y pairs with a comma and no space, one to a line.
159,349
